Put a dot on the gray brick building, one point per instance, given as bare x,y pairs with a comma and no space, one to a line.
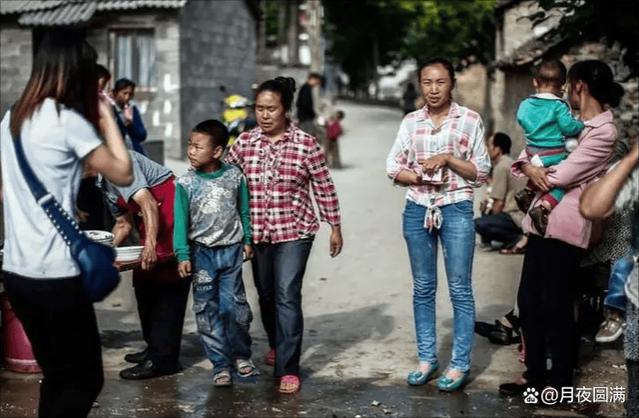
179,52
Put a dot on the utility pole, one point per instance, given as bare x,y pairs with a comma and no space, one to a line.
315,18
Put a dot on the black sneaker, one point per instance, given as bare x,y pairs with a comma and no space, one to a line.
539,216
147,370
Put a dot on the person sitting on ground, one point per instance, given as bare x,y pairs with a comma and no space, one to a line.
503,223
546,120
212,230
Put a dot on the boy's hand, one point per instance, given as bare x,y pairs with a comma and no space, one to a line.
248,252
184,269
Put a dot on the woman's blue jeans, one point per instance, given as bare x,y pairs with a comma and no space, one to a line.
457,236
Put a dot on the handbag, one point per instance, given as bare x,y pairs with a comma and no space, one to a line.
99,275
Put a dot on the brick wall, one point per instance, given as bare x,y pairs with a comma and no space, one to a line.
217,47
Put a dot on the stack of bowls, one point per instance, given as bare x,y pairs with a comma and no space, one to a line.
132,253
103,237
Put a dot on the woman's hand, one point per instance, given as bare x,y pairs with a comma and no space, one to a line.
434,163
148,256
537,176
184,269
336,241
128,115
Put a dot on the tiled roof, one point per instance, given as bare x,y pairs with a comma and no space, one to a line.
70,12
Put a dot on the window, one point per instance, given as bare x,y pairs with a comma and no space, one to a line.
133,53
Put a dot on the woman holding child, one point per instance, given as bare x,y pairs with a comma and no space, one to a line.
280,162
551,261
440,155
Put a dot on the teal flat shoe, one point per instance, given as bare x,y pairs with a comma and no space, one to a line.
417,378
447,384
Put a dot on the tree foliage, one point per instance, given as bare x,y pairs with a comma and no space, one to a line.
595,20
462,31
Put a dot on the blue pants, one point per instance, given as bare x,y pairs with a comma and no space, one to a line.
278,270
222,314
457,236
616,296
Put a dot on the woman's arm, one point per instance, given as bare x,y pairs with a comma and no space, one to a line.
112,159
151,217
397,164
598,200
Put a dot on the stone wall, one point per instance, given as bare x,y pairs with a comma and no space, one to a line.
15,63
218,48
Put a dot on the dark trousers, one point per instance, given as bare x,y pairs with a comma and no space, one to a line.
546,310
60,323
161,308
499,227
278,270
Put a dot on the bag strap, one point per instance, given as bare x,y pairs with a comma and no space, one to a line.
66,226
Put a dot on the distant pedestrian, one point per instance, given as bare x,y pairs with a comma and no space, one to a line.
212,231
306,106
281,162
61,125
408,98
440,154
128,115
333,132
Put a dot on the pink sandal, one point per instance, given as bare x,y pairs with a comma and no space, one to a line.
269,359
289,384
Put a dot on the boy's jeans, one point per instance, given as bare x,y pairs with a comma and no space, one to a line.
222,314
616,296
457,235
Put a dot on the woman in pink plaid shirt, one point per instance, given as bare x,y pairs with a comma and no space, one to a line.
441,156
280,162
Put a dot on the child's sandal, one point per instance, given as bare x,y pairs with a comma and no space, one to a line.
246,368
289,384
222,379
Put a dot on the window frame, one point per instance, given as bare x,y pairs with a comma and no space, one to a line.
113,33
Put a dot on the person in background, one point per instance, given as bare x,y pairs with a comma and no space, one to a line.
440,154
128,115
306,105
503,222
281,162
333,133
212,230
161,294
61,124
408,98
617,190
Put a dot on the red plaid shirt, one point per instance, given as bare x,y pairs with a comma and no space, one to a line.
278,179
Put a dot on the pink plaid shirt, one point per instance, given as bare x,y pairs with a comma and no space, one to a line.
278,179
461,134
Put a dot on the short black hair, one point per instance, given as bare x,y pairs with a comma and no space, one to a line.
123,83
102,72
502,141
551,72
283,86
215,130
438,61
340,114
314,74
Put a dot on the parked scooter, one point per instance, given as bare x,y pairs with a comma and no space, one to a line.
237,114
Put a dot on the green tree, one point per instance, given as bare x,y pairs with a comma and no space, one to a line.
368,33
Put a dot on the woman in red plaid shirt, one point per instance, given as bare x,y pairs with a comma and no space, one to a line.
280,162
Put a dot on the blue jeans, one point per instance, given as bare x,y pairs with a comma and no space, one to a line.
616,296
278,270
222,314
457,235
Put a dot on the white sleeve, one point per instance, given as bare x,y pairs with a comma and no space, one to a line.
80,135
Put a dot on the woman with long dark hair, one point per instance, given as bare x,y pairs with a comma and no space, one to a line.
280,162
59,121
549,273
